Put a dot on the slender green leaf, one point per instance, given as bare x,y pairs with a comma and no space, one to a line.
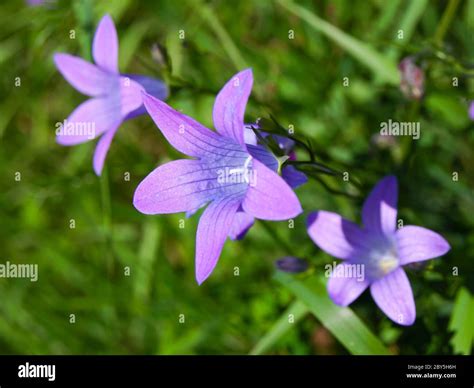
298,310
409,20
351,332
462,323
382,67
227,43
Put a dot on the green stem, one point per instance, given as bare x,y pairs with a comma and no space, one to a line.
446,20
107,224
277,238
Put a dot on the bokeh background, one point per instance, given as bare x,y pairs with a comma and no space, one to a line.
300,56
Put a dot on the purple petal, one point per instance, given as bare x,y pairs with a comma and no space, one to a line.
130,97
185,134
264,156
105,45
337,236
379,213
242,223
394,297
102,148
229,107
284,143
249,135
152,86
84,76
415,243
293,177
471,111
269,197
213,229
181,186
89,120
344,286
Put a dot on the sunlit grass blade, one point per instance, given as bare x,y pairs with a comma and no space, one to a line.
382,67
298,310
461,323
351,332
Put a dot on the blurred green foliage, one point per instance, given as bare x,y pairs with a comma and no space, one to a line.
159,309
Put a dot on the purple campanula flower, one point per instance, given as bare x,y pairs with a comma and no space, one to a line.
226,174
115,97
379,249
471,110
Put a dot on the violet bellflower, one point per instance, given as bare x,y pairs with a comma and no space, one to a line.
226,174
471,110
115,97
379,248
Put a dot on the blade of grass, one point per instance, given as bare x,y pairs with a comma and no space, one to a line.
389,11
446,20
227,43
351,332
408,23
382,67
298,309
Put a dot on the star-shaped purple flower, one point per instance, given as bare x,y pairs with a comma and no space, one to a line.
379,249
227,175
115,97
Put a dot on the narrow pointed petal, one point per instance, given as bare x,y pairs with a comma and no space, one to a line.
379,213
344,285
102,148
84,76
293,177
242,223
394,296
337,236
105,45
229,107
471,111
213,229
268,196
88,121
182,186
415,243
186,134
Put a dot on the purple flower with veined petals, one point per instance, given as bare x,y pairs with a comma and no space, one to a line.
115,97
379,249
226,175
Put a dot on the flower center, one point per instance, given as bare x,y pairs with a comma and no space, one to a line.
382,261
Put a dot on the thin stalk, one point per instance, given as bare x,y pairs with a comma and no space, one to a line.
446,20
